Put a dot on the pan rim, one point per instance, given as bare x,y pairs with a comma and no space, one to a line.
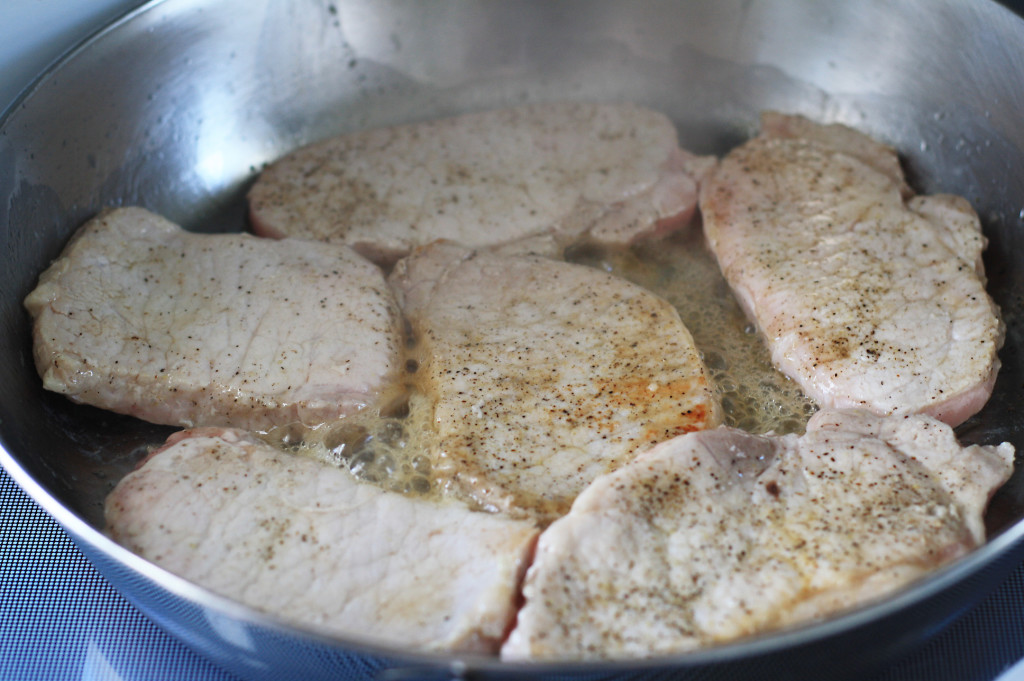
82,531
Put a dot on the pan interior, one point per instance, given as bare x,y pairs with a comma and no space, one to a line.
177,108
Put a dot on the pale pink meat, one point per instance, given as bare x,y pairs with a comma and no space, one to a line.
608,173
540,375
721,534
304,541
143,318
866,298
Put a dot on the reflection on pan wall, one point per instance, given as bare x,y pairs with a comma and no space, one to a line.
34,33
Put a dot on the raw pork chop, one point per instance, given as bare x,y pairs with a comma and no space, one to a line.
304,541
866,300
721,534
143,318
613,171
543,374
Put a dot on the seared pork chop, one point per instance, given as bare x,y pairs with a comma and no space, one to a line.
543,375
141,317
304,541
865,299
614,172
721,534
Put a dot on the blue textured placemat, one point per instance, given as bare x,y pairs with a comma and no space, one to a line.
59,619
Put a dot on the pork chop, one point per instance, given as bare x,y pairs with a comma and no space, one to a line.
304,541
613,172
721,534
542,375
866,299
141,317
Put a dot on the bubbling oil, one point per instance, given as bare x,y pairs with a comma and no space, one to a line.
392,450
389,450
755,396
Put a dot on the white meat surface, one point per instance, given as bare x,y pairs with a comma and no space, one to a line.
613,173
543,375
143,318
866,298
721,534
304,541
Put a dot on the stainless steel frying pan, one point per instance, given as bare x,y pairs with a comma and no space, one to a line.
177,106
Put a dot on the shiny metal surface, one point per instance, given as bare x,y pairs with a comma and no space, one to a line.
178,106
